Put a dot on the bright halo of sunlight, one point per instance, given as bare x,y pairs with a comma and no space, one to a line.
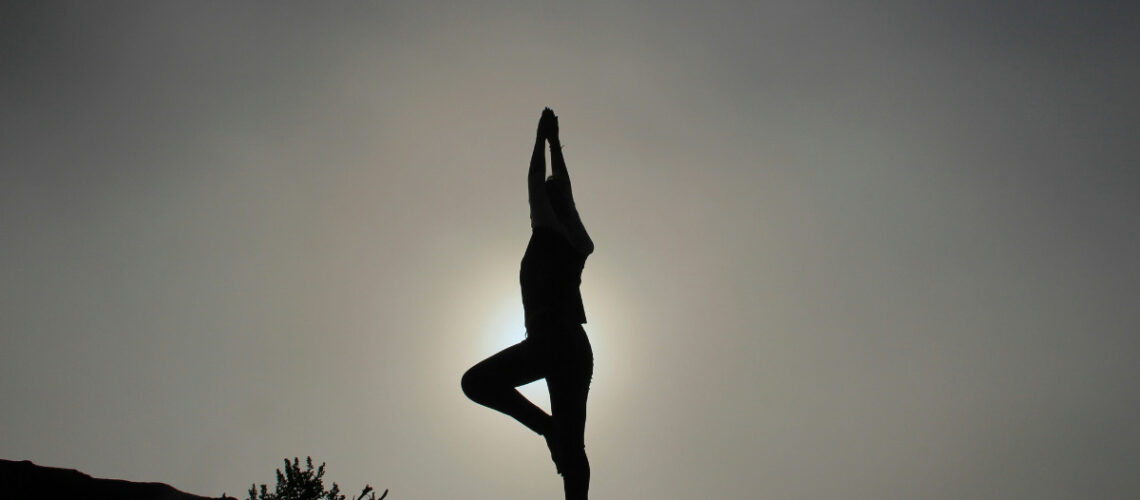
503,327
502,324
491,319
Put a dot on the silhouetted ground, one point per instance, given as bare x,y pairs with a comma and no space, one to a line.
27,481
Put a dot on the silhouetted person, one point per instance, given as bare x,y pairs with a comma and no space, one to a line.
555,347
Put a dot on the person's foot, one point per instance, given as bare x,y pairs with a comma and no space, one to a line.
555,450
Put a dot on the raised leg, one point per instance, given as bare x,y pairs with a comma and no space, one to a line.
492,383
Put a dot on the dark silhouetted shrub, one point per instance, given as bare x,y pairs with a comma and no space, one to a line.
307,484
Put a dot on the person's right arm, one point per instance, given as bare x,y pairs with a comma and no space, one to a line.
558,162
574,230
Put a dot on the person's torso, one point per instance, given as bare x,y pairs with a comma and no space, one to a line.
550,275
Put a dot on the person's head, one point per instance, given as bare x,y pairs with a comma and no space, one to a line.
558,192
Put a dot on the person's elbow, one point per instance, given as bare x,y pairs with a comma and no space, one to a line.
584,244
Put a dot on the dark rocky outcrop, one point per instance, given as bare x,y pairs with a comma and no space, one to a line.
28,481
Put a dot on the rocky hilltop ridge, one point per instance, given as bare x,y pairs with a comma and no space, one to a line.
25,480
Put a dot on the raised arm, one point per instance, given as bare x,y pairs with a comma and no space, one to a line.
572,224
557,162
541,212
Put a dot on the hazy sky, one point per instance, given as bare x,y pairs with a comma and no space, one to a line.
861,250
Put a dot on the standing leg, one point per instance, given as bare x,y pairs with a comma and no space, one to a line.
569,383
492,383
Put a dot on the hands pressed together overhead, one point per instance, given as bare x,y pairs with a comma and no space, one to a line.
548,125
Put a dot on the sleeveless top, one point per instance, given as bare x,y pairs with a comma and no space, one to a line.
550,274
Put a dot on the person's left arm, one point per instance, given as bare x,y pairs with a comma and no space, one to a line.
541,212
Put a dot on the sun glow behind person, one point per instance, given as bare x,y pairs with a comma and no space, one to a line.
504,327
491,319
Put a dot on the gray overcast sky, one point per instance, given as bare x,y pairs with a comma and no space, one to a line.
860,250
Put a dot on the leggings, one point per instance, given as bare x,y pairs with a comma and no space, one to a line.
561,354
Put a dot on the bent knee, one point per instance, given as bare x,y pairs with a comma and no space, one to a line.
474,387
